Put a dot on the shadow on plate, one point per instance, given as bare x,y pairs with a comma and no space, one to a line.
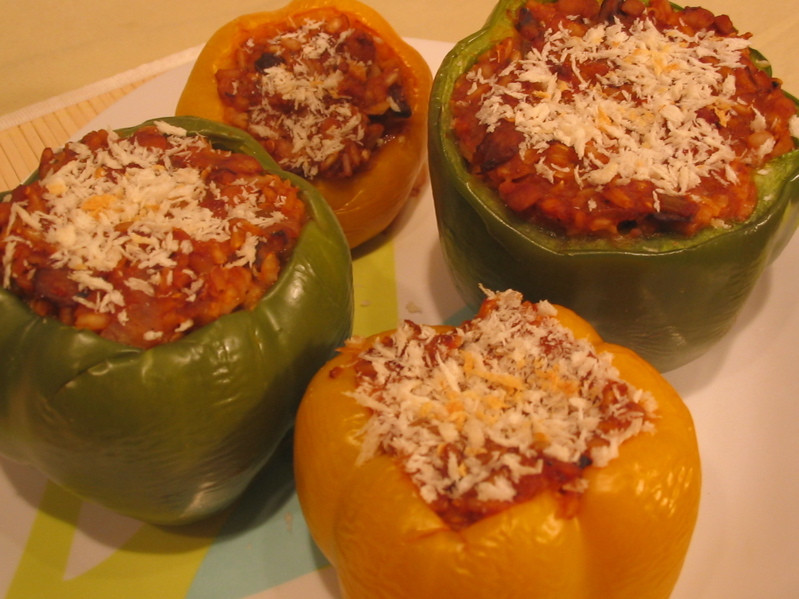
700,373
265,496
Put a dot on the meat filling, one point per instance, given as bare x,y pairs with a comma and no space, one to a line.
622,119
146,238
494,412
321,93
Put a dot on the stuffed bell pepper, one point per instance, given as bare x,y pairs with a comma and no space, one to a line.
168,292
516,456
333,94
633,161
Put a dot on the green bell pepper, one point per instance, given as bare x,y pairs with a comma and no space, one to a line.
175,433
669,298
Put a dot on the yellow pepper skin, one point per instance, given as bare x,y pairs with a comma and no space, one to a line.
368,202
628,539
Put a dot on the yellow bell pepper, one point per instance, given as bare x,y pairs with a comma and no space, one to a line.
628,538
367,202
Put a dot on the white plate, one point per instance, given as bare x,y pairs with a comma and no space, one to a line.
744,395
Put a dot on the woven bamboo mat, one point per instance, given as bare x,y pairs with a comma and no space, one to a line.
21,145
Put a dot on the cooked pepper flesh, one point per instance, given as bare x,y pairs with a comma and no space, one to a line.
176,432
625,535
378,90
669,297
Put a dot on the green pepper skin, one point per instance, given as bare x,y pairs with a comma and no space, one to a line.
669,299
175,433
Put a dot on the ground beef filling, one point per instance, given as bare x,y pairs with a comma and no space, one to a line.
147,238
321,93
494,412
622,119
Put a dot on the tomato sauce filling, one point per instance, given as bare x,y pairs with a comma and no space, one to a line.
493,413
622,119
321,92
145,239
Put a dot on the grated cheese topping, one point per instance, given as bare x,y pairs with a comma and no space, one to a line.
147,207
474,411
651,130
625,126
93,221
321,91
320,119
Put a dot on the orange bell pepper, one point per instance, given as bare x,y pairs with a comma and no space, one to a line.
367,202
627,539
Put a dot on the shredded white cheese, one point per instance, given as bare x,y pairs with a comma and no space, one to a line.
640,119
321,118
94,220
519,389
